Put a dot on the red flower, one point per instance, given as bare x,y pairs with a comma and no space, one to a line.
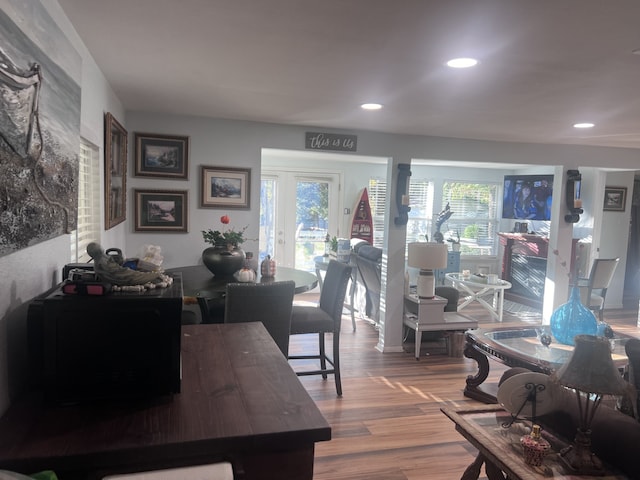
225,219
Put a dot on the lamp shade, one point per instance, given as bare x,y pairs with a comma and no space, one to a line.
590,368
427,255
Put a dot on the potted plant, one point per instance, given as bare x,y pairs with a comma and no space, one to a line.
224,257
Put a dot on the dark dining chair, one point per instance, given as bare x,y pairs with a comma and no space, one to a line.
593,290
324,318
269,303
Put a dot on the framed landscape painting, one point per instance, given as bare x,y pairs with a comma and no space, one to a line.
615,199
165,156
161,210
225,187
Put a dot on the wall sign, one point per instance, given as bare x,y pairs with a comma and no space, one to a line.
331,141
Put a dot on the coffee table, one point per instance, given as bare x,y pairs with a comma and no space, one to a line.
500,451
520,347
476,290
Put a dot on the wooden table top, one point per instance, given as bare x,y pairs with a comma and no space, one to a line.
238,393
198,281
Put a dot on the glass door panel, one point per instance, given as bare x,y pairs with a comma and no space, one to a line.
297,211
312,221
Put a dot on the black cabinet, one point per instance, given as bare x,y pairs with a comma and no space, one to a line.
122,344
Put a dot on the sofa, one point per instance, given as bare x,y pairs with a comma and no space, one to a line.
369,262
368,259
615,436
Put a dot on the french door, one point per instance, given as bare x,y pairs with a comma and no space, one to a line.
297,211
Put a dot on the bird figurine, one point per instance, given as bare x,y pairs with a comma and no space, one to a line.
109,270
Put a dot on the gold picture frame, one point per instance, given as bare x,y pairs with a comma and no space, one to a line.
115,172
225,187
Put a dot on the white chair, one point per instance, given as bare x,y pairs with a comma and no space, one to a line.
593,290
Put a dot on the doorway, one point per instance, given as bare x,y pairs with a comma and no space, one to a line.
298,209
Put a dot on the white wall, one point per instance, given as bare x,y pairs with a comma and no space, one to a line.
614,235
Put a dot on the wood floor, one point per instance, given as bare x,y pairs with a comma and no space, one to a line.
388,424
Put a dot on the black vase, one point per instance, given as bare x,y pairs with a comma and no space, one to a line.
223,261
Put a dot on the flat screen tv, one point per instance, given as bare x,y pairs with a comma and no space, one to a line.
527,197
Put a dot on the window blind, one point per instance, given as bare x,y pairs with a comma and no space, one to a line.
88,226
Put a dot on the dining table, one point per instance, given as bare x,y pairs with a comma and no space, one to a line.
201,286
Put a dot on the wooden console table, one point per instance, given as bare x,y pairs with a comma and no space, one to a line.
240,402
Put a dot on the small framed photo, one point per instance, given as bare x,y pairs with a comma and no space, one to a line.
225,187
165,156
161,210
615,199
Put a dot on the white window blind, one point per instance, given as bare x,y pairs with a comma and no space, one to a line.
377,194
420,201
88,228
475,216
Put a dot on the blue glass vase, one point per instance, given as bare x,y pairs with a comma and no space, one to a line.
571,319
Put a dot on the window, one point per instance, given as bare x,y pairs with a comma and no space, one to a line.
377,193
420,201
475,216
88,227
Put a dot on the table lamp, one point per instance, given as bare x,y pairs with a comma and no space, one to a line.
590,372
427,256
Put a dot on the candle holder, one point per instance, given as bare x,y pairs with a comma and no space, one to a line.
574,202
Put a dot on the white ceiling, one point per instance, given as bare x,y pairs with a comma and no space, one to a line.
544,64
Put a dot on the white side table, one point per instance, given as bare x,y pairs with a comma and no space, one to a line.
476,290
431,317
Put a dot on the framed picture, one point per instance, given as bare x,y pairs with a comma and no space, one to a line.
225,187
115,172
161,210
164,156
615,199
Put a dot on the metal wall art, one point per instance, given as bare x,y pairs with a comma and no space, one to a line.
40,75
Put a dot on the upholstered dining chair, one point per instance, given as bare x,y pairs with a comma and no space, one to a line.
593,290
324,318
269,303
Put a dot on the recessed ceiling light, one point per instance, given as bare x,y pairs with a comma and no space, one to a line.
462,62
636,51
371,106
583,125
